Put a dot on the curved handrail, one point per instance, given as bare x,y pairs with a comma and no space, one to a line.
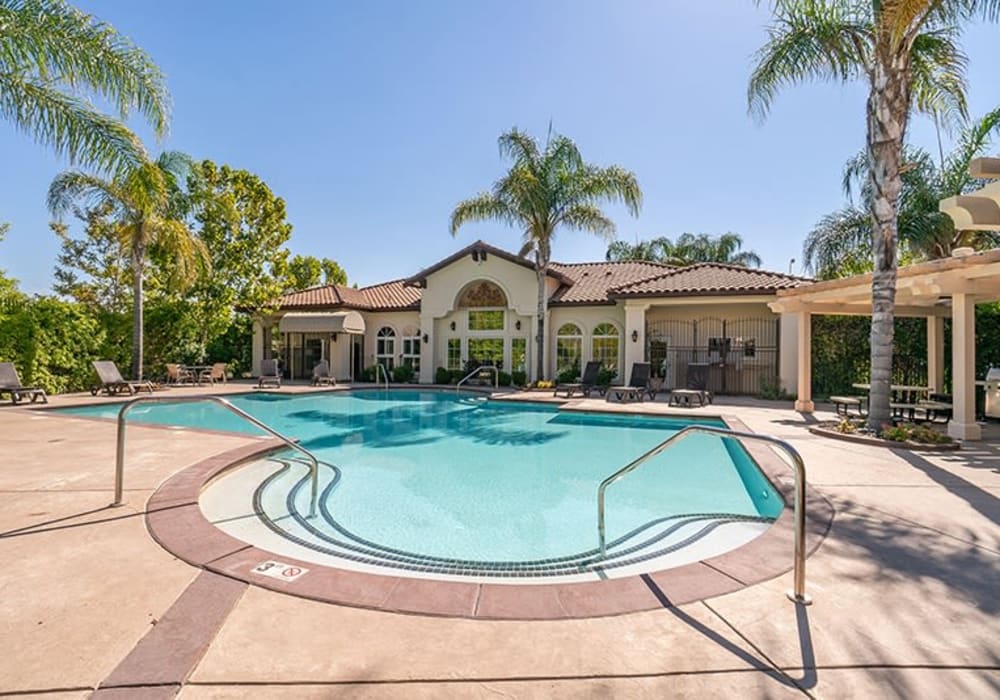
473,373
798,593
120,455
385,373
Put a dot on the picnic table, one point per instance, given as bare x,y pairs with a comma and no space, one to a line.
908,393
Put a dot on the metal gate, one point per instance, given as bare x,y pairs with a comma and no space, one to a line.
741,353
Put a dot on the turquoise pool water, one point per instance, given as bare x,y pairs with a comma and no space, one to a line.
449,475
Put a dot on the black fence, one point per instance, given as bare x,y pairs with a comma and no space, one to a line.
741,353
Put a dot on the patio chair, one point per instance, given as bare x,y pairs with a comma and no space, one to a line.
10,383
269,375
215,373
177,374
112,382
638,387
586,384
321,374
696,387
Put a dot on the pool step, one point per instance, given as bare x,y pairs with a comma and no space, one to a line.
287,516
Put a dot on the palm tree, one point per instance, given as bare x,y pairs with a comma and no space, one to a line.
143,204
547,189
51,54
840,244
688,249
906,51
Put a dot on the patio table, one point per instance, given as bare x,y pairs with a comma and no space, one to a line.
196,371
908,391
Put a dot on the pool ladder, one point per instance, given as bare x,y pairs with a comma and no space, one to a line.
385,374
123,414
476,372
798,593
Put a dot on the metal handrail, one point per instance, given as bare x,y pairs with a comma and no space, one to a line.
798,593
120,456
385,373
473,373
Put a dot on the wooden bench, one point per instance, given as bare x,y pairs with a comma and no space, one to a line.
843,404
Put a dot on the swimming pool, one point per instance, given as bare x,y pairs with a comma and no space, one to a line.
441,484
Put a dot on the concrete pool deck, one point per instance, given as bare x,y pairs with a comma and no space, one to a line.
906,589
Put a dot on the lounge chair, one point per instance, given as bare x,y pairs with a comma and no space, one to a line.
112,382
696,387
321,374
586,384
176,374
215,373
269,374
638,386
10,383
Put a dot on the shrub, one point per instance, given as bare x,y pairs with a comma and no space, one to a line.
402,374
456,375
442,376
606,377
846,426
908,432
505,379
518,378
568,376
771,389
368,373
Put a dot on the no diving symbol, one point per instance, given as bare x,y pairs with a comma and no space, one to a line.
279,570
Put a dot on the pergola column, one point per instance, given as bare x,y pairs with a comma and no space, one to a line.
963,424
935,353
804,402
635,349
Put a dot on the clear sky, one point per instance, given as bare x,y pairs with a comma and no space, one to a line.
373,118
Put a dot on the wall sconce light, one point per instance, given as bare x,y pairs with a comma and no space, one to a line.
452,325
635,336
333,337
517,324
427,339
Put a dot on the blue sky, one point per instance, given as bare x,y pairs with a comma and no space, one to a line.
372,119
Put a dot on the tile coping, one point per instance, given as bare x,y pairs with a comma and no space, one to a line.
175,521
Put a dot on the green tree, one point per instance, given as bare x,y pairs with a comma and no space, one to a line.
841,243
242,224
688,249
306,271
52,58
93,269
142,203
548,188
907,53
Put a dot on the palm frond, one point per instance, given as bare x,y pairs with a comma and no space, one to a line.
58,44
590,218
612,183
68,124
840,244
809,41
483,207
74,188
518,146
937,68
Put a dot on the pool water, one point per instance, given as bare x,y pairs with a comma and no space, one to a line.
442,475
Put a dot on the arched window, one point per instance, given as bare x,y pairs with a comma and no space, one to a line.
385,347
606,346
569,348
486,304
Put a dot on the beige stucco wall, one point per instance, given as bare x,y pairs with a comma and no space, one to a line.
399,321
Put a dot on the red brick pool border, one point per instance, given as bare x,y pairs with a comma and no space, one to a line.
176,522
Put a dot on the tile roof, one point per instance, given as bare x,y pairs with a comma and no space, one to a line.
709,278
580,283
593,281
387,296
480,246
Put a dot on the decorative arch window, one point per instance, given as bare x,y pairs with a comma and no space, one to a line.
411,348
569,348
487,306
385,347
606,346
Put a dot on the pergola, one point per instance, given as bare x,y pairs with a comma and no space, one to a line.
935,290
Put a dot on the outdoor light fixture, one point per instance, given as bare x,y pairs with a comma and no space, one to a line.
517,325
427,339
635,336
452,325
333,337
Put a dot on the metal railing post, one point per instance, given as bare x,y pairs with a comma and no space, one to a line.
127,406
473,373
798,593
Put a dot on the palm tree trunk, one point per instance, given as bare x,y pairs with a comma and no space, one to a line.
138,255
541,268
888,107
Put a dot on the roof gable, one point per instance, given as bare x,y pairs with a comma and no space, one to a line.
479,247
